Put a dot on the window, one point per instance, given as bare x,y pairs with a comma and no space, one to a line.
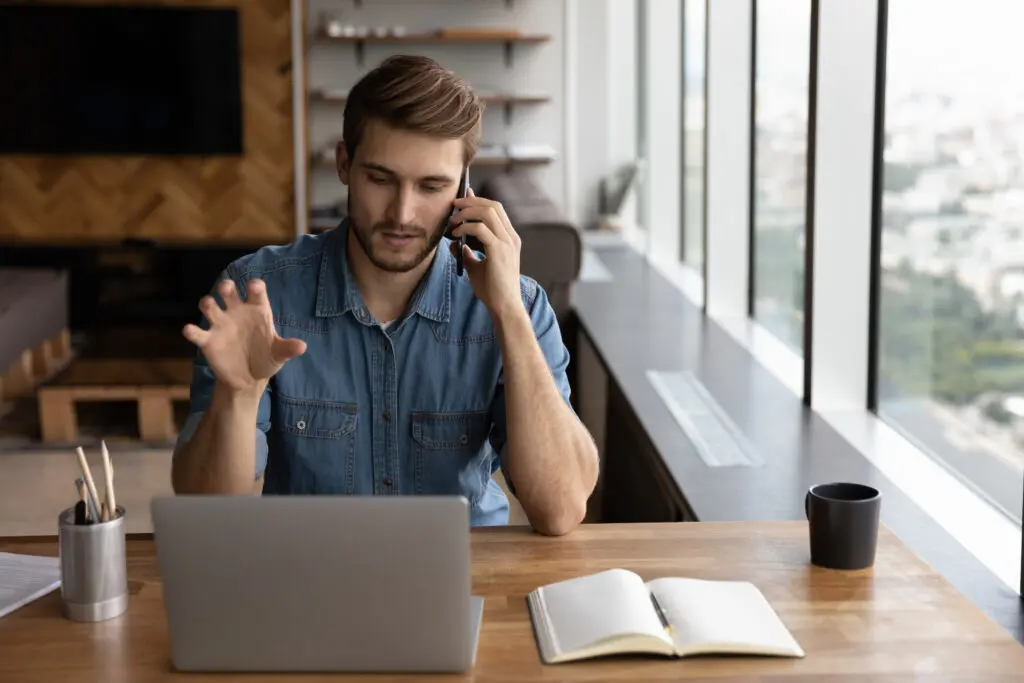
950,344
694,73
782,48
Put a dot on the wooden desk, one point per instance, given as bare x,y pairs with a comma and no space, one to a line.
897,622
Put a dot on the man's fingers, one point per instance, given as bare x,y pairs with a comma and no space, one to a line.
196,334
470,258
480,219
208,306
285,349
228,292
257,291
472,200
479,230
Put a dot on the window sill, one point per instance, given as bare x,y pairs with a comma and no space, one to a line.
938,491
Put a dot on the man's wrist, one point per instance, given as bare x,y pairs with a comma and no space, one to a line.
247,397
510,314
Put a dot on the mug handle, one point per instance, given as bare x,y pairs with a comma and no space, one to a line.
807,506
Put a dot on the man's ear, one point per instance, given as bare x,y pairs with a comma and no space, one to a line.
343,163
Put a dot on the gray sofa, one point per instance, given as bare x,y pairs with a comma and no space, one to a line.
33,309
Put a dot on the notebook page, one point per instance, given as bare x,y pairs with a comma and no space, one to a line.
726,616
587,609
24,578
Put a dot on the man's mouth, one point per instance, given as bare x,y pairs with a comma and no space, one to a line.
398,238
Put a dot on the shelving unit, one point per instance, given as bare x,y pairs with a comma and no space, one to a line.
508,3
360,42
325,160
507,101
331,33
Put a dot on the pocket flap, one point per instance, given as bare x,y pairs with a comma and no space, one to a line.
449,431
318,419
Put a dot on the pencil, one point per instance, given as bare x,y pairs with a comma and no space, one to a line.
87,473
108,475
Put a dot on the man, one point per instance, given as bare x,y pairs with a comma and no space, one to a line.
358,361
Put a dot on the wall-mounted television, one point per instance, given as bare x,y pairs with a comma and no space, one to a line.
119,80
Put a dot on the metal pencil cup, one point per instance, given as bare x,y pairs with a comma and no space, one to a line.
93,568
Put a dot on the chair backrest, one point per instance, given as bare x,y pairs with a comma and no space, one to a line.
552,251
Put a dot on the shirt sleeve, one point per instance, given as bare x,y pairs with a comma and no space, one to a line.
201,391
549,337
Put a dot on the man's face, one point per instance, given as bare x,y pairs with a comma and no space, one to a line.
400,191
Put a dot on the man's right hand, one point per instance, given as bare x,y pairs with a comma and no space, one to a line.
242,346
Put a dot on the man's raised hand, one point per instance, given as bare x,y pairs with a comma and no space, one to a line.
242,346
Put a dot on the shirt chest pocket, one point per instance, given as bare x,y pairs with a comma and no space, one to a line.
319,440
451,454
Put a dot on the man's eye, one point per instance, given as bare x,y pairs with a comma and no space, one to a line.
378,180
432,188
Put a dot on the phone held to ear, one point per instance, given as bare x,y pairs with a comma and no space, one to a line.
460,263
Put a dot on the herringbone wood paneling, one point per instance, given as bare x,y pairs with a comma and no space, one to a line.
247,200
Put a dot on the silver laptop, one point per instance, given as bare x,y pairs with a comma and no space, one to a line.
317,583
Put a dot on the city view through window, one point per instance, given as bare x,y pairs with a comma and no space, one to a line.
694,72
951,322
781,75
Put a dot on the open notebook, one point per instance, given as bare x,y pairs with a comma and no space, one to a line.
615,612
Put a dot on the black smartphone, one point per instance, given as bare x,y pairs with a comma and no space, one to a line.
460,264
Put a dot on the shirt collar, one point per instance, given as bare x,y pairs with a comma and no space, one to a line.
338,292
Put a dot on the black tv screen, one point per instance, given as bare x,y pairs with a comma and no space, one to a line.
119,80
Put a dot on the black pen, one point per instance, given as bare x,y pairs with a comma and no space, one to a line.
83,513
661,614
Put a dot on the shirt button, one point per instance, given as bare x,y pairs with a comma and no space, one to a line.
388,481
387,416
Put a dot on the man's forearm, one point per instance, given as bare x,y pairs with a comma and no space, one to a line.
552,459
221,455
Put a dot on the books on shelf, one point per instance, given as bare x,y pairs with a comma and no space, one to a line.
616,612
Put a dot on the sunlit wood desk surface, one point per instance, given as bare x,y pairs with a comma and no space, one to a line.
899,621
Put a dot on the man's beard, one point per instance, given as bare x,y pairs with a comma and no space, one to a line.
365,240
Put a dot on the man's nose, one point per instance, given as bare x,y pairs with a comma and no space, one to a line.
403,207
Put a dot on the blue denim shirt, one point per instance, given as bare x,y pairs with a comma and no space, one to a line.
417,408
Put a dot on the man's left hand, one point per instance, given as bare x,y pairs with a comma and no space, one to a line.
495,278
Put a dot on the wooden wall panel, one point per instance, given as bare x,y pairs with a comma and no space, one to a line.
68,200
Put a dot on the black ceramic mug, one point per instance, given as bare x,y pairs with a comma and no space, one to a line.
843,521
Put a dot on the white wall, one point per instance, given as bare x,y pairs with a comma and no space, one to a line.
603,83
662,127
535,68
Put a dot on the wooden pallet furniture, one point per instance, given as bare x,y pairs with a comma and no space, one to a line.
34,337
153,383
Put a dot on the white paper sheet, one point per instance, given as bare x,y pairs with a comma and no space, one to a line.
24,578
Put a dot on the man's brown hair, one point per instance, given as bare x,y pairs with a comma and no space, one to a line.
417,94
